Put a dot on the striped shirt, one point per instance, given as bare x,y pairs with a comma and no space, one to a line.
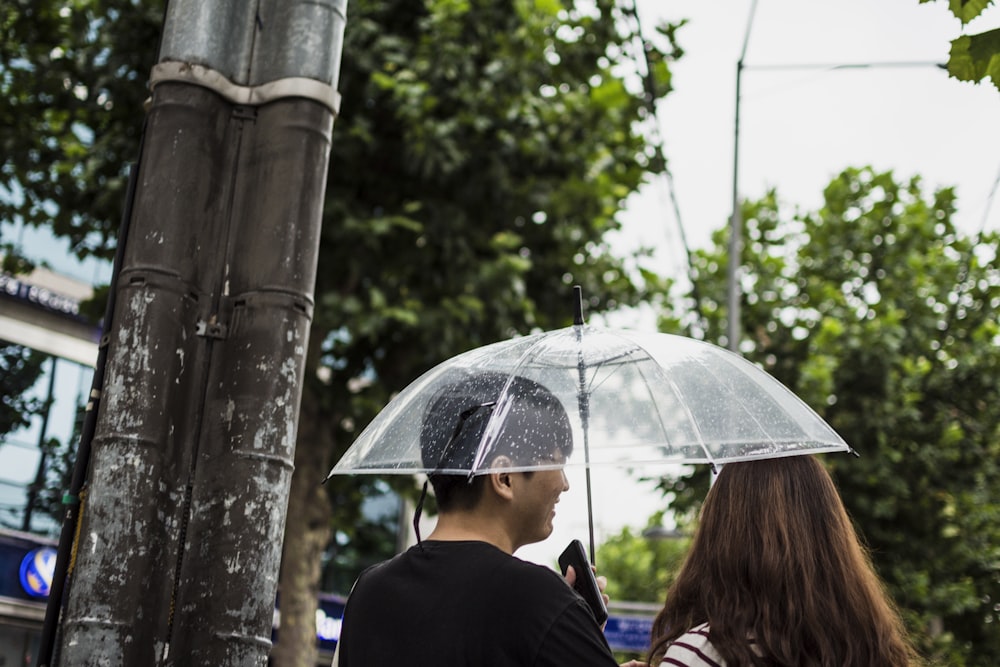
692,649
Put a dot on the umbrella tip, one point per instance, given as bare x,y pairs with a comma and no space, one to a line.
577,305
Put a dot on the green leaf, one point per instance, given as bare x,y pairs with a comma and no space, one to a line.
976,57
966,10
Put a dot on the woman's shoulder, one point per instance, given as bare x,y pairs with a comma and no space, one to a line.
693,649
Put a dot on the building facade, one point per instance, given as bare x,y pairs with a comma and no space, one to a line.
47,356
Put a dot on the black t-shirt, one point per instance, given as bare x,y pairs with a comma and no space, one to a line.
467,604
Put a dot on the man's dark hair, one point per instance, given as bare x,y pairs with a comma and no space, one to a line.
535,425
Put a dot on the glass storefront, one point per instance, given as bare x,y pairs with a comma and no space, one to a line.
47,351
36,449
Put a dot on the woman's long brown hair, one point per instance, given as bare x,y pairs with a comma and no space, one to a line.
776,570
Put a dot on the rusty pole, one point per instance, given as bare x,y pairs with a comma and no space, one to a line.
180,536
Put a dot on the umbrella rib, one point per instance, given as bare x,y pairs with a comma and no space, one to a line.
610,360
501,409
659,417
591,386
750,413
690,416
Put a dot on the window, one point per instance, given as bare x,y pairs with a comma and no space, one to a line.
42,401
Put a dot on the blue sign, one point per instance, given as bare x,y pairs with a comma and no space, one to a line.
628,633
329,615
37,568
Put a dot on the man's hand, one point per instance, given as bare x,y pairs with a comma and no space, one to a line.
602,583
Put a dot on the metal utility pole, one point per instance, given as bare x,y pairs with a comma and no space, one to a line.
735,294
181,525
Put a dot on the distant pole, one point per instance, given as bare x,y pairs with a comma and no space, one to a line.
734,324
181,530
734,291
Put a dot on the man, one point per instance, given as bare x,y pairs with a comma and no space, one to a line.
459,597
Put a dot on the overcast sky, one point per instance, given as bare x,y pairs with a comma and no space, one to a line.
800,127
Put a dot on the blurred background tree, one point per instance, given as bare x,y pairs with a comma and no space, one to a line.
880,314
640,568
73,81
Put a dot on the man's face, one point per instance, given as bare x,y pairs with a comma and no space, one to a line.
535,497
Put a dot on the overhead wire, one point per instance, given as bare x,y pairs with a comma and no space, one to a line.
817,69
987,207
650,96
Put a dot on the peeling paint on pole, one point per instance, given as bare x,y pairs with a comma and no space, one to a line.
180,537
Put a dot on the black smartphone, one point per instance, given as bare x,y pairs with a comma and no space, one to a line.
586,582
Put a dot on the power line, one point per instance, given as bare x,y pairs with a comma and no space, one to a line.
837,66
988,206
649,87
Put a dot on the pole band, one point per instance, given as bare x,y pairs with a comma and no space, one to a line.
206,77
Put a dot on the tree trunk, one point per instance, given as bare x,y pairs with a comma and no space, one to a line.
307,533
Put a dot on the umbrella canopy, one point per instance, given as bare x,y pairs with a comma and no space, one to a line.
623,398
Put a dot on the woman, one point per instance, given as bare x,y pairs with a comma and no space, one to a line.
776,576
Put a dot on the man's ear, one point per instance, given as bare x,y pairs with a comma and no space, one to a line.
500,481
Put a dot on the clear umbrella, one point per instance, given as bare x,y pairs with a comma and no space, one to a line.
632,399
